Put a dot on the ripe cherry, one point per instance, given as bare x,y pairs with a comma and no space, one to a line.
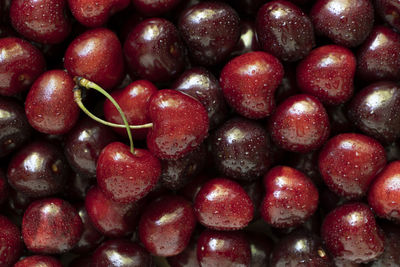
38,260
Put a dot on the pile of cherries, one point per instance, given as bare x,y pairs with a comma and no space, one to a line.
261,133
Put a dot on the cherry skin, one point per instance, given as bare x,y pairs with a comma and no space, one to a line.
233,249
38,170
345,22
154,51
249,82
20,69
284,30
328,74
389,10
10,242
97,56
222,204
38,260
210,31
374,110
248,40
166,225
300,124
349,162
350,233
175,130
50,106
153,8
51,226
94,13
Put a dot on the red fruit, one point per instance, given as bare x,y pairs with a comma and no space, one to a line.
349,162
10,242
249,82
223,204
153,8
328,74
180,124
38,260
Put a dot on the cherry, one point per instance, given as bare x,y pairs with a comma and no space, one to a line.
155,51
96,55
176,131
374,111
300,124
210,30
42,21
20,64
187,258
328,74
94,13
49,105
350,233
223,204
153,8
248,40
345,22
223,249
166,225
261,248
284,30
38,260
51,226
389,10
390,256
249,82
38,170
10,242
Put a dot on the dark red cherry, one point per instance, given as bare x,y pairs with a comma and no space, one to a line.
51,226
10,242
42,21
350,233
389,10
290,197
38,170
94,13
328,74
210,31
20,64
390,256
379,56
153,8
284,30
300,124
345,22
261,248
154,51
223,249
125,177
97,56
133,100
202,85
176,131
349,162
166,225
187,258
38,260
223,204
241,149
374,110
248,40
111,218
249,82
50,106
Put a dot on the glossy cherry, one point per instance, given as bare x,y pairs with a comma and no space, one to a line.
389,10
249,82
38,260
328,74
50,106
300,124
51,226
284,30
210,31
20,64
10,242
166,225
350,233
153,8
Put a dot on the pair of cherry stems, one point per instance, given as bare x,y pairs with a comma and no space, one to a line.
85,83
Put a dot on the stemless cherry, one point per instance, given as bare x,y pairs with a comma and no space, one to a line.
210,30
50,106
389,10
166,225
249,82
350,233
223,204
20,64
51,226
345,22
152,8
328,74
39,260
300,124
284,30
10,242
